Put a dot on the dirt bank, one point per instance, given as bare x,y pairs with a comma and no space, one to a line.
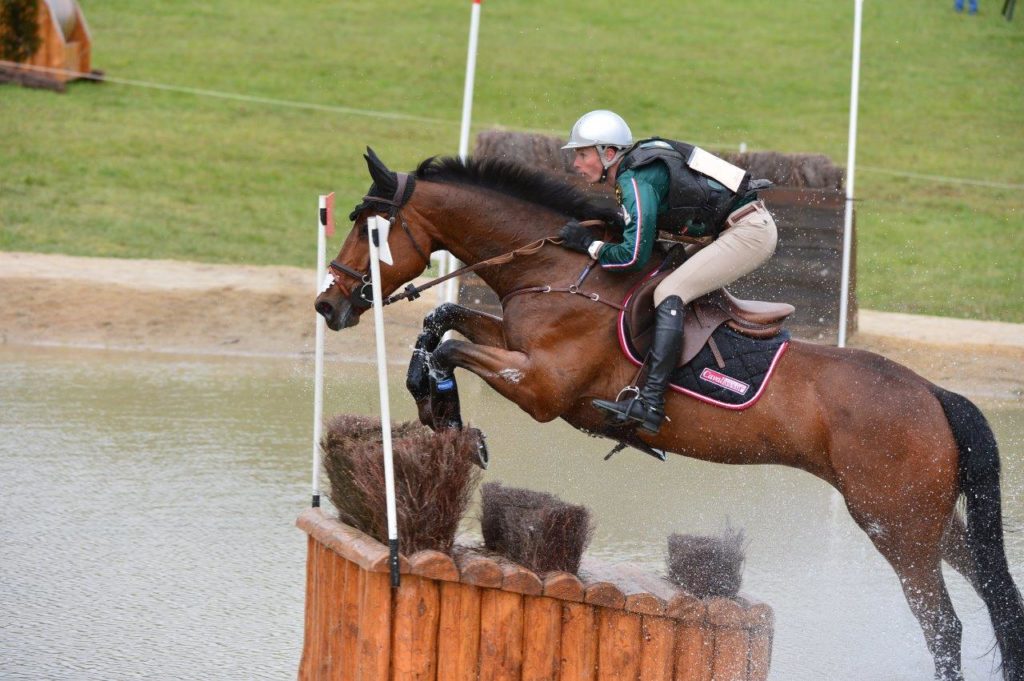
172,306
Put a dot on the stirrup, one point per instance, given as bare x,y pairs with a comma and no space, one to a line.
628,411
621,416
628,389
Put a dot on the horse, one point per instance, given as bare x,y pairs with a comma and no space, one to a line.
900,450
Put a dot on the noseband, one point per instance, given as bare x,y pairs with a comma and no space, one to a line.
361,297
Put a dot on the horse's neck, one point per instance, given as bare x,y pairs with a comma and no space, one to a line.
476,225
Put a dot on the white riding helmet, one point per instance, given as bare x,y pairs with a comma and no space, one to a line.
601,129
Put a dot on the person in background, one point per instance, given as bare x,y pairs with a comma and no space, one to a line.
958,5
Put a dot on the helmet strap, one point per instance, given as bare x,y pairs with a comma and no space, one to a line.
605,163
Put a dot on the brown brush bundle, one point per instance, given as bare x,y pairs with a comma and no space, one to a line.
707,566
810,171
531,150
534,529
435,478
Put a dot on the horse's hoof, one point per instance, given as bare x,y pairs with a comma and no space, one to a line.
483,457
455,422
425,413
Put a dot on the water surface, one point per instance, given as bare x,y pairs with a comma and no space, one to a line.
149,505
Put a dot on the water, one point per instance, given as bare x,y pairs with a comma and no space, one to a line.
149,504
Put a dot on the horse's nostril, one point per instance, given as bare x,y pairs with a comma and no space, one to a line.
324,308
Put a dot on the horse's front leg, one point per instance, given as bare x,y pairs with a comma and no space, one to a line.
436,396
543,389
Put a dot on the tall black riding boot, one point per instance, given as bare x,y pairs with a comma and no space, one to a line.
648,408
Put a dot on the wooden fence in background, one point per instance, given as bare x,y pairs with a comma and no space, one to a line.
478,618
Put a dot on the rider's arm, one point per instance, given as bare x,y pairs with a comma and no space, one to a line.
639,199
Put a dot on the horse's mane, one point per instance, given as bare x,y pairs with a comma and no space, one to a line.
521,182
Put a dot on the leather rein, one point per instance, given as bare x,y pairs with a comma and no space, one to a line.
361,297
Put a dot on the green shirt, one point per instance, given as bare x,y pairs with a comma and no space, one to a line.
643,196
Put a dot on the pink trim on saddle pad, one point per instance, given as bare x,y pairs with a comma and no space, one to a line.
624,344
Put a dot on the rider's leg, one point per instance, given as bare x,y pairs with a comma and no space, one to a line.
739,249
649,407
746,244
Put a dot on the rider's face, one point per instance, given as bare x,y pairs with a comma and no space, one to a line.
587,162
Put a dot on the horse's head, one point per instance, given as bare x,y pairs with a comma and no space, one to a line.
347,291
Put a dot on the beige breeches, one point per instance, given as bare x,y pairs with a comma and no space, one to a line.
740,249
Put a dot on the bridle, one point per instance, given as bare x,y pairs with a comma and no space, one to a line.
361,296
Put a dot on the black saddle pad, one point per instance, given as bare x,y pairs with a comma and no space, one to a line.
749,364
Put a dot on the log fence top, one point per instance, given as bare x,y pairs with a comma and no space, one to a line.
617,586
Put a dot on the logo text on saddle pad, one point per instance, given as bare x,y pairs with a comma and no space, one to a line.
719,379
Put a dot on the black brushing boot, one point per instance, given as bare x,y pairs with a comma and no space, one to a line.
648,408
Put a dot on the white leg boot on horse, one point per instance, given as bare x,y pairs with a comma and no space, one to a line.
648,407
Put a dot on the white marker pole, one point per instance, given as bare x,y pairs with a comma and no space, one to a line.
451,294
385,401
318,366
851,159
467,93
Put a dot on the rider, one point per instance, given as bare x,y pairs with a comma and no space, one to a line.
742,229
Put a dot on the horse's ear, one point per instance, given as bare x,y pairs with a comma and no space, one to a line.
386,180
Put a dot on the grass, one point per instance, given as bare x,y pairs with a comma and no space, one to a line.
127,171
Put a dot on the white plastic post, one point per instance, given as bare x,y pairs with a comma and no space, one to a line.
373,224
467,93
851,160
451,287
318,365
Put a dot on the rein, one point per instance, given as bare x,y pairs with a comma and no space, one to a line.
361,297
571,288
413,292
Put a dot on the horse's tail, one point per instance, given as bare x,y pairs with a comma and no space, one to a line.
979,483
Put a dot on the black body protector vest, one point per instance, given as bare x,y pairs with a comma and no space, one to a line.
691,196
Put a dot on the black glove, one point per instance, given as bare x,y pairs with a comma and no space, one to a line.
576,237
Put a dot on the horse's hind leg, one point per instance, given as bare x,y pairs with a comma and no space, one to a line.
956,552
929,601
914,551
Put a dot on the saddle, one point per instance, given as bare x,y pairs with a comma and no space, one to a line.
751,318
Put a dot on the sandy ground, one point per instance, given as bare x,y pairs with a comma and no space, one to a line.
180,307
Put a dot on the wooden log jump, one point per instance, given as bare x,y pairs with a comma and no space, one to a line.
475,617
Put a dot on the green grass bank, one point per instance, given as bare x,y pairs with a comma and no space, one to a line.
128,169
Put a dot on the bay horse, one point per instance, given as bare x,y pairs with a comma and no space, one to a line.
899,449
